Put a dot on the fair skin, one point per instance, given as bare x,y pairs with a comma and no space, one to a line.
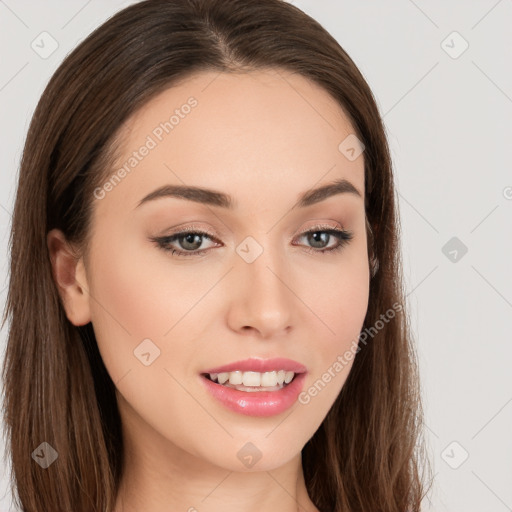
264,138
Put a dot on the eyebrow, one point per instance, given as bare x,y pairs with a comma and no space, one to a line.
220,199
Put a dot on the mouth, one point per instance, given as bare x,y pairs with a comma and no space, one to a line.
250,381
255,374
255,393
256,387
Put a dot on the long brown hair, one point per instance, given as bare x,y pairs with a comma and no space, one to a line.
367,454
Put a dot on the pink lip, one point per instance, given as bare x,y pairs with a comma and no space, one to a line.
256,403
260,365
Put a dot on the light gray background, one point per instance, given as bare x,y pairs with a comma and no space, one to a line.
449,122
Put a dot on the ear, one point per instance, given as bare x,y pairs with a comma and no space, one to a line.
69,275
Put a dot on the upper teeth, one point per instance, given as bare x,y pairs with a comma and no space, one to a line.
253,378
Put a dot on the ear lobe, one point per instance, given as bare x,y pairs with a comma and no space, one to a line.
70,278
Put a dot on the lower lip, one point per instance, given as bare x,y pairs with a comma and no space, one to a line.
257,403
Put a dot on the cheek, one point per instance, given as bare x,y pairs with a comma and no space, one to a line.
138,294
342,311
337,295
346,303
337,292
139,318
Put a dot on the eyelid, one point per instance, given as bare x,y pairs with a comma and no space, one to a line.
317,226
191,228
194,228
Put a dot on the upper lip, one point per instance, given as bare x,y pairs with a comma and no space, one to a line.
260,365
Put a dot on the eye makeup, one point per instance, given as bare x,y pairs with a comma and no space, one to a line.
193,235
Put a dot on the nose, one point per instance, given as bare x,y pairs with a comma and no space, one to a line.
262,302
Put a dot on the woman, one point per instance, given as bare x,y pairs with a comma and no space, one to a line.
205,299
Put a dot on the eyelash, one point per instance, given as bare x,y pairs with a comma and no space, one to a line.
163,242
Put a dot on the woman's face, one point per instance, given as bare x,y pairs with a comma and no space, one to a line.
256,286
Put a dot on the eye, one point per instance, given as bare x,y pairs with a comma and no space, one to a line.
191,240
320,236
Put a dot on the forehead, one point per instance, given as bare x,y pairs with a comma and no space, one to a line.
266,132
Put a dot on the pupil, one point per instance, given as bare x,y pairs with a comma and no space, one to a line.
319,235
190,239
